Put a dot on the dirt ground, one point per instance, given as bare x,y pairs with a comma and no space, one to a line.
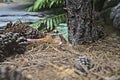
44,61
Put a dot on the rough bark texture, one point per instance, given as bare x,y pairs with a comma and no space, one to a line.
81,28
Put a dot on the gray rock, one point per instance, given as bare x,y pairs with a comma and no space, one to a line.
115,16
114,11
116,21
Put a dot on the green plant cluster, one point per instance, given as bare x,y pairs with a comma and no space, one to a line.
49,23
38,4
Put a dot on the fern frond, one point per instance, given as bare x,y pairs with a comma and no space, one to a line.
49,23
38,4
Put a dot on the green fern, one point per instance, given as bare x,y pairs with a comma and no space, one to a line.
49,23
38,4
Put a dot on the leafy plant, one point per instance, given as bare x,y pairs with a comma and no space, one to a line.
49,23
38,4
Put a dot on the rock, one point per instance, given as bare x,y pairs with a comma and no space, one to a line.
115,16
110,12
115,10
116,21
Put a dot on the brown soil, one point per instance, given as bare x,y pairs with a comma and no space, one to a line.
56,62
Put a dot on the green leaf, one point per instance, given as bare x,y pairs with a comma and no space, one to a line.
50,22
38,4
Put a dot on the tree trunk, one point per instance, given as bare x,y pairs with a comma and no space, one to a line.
80,21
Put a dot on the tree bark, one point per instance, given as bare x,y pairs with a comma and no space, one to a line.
80,21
